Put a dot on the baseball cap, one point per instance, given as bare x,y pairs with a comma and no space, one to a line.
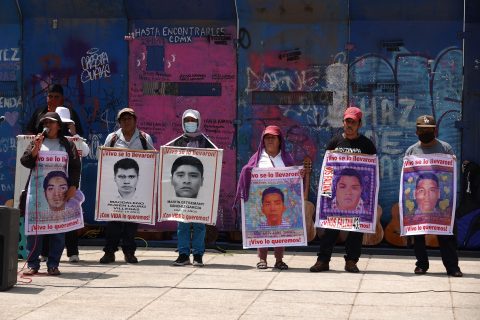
51,116
126,111
56,88
64,114
353,113
426,121
273,130
191,114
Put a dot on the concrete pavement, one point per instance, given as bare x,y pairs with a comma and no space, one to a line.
230,287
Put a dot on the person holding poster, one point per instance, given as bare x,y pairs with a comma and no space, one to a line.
126,176
187,178
58,188
427,195
271,153
71,237
350,141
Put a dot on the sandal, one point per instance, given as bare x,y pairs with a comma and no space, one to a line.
262,264
280,265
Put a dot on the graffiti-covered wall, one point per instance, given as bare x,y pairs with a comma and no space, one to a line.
88,57
10,96
191,65
245,64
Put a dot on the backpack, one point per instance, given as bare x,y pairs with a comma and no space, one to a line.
468,230
143,140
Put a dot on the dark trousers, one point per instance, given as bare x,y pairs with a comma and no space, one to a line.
118,230
71,242
448,250
353,245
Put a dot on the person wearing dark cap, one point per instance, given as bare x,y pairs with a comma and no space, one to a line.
127,137
350,141
51,140
54,99
428,144
271,153
191,235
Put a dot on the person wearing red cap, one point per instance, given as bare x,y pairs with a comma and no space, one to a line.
350,141
271,153
428,144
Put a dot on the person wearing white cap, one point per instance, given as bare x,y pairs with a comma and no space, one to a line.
69,129
193,138
65,115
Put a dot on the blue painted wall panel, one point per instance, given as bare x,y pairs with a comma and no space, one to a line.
10,95
297,50
400,70
471,90
89,58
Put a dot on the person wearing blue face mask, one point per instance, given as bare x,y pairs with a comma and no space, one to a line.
191,232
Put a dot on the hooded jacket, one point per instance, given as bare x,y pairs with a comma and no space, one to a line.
192,139
243,186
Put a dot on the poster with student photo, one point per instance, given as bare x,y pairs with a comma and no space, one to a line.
126,185
21,173
274,215
348,192
427,194
46,210
189,184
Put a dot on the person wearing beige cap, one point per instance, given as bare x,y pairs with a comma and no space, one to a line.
127,137
425,129
350,141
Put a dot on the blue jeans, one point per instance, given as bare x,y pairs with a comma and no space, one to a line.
197,237
55,249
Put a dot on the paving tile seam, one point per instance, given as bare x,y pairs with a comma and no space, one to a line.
352,305
260,292
162,294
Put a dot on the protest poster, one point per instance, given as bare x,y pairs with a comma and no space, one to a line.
428,194
189,184
348,192
21,173
46,210
274,215
126,185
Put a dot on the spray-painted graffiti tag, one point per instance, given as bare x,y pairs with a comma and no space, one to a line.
95,66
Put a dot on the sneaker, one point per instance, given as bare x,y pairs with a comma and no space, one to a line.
30,272
197,260
419,270
351,266
130,258
108,258
53,271
42,258
182,260
320,266
74,258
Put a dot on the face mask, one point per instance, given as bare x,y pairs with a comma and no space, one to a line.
190,127
426,137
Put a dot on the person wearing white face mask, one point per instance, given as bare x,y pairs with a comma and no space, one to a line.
192,138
